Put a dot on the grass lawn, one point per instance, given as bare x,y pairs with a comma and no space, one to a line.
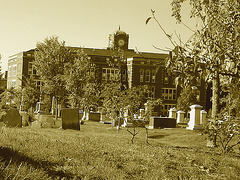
97,151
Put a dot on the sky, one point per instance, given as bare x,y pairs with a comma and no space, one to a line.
86,23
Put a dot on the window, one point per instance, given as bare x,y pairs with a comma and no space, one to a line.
31,69
14,70
153,91
165,108
110,74
90,72
147,78
141,75
39,84
169,93
153,76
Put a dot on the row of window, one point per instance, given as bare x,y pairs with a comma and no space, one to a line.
169,93
150,76
113,74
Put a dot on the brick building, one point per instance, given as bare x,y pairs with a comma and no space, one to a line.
137,68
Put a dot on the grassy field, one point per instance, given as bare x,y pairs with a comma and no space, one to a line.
97,151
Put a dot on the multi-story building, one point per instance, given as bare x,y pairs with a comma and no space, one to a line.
137,68
20,66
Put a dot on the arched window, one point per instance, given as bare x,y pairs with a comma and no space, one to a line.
147,77
141,75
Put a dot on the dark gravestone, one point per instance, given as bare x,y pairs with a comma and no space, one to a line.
162,122
94,116
12,118
70,118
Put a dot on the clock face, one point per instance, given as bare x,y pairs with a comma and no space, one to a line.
121,42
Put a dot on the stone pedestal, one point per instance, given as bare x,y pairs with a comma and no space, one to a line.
203,117
173,113
25,118
142,113
180,120
194,122
125,117
180,117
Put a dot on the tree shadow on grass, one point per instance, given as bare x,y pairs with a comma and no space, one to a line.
8,154
157,136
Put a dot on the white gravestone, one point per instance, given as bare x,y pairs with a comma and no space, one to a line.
173,113
203,117
180,116
194,122
142,112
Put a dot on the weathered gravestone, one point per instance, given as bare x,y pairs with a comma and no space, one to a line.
162,122
49,123
36,124
25,118
94,116
70,118
12,118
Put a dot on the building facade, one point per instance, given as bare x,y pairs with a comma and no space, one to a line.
136,68
20,66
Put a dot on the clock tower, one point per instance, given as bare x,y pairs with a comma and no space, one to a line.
119,39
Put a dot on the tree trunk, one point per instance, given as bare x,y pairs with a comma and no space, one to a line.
215,95
215,103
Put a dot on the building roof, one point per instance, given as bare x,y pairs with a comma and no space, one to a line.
127,53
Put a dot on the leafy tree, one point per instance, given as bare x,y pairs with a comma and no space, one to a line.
212,53
187,97
66,73
213,50
10,98
50,59
80,81
30,93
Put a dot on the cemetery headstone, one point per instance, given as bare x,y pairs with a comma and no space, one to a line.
12,118
142,113
49,123
173,113
194,122
94,116
36,124
180,119
70,118
25,118
162,122
203,117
